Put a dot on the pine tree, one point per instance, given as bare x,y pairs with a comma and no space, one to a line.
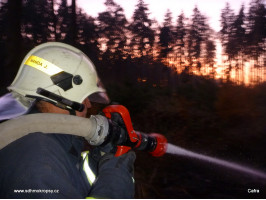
180,34
71,35
142,33
63,20
13,31
10,40
166,36
54,33
196,35
237,40
227,19
256,37
256,29
210,54
87,36
112,28
3,30
38,20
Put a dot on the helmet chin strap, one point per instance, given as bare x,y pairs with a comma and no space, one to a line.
59,101
71,111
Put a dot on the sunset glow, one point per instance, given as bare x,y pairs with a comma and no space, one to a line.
209,8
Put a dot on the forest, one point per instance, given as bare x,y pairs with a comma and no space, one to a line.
169,78
133,47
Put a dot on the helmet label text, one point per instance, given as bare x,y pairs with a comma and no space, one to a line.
43,65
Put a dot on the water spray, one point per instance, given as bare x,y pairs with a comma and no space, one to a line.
176,150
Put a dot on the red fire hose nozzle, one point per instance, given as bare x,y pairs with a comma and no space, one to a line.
155,144
161,145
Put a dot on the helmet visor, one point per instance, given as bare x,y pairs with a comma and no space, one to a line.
99,97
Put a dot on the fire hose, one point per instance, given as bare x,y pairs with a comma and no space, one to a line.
96,130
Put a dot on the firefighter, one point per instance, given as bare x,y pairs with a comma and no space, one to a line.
58,78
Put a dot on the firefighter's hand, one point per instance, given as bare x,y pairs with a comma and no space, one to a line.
115,177
117,134
123,162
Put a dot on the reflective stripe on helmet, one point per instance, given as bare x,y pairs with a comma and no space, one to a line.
58,68
86,168
43,65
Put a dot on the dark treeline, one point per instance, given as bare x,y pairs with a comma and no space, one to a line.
243,37
137,50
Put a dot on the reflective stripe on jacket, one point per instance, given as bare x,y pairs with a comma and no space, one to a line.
86,167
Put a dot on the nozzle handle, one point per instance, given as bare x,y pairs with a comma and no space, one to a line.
122,150
123,111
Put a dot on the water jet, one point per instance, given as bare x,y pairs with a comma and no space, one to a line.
179,151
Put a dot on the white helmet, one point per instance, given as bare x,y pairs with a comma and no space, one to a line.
59,69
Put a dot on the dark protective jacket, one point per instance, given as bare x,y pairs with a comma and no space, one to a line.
53,166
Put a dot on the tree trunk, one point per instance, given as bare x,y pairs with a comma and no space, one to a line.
71,37
54,22
13,42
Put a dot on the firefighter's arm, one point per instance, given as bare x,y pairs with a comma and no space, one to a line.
115,179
